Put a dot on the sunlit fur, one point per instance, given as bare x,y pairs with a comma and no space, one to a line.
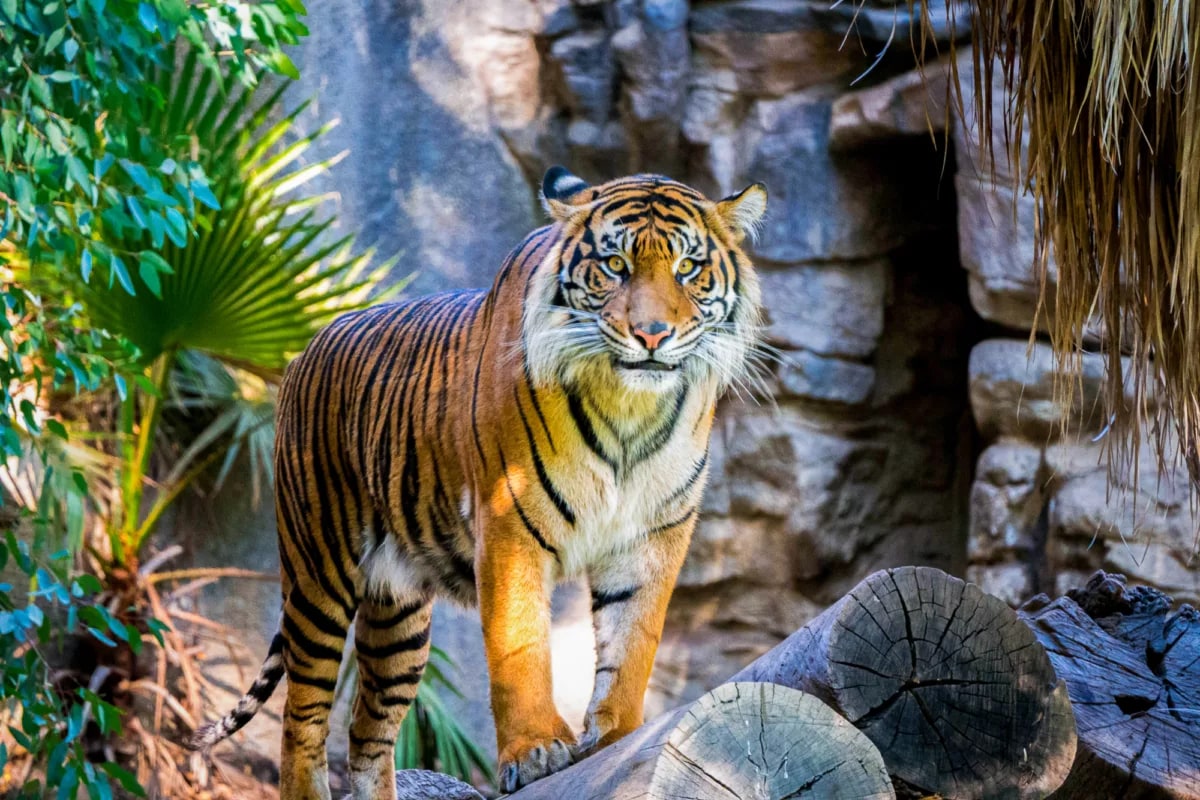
483,445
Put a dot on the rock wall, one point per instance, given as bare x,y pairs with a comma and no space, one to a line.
902,423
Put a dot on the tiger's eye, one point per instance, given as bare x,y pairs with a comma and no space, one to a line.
686,268
616,264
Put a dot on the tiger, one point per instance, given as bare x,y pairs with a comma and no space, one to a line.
482,446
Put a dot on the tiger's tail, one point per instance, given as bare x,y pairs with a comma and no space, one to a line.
264,686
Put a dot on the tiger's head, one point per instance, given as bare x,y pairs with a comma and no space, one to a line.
647,287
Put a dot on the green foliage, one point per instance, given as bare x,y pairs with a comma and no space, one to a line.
259,277
261,274
87,187
430,737
79,155
45,717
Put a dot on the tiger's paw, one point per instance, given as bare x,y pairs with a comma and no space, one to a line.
525,759
600,730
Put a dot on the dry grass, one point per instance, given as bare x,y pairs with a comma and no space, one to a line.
1107,94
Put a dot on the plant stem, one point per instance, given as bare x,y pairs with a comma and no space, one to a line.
137,458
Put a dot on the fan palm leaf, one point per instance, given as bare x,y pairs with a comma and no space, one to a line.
263,273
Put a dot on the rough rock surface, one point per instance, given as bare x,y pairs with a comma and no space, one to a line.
902,422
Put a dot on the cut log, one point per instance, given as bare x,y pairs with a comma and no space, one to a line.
421,784
953,689
741,740
1132,669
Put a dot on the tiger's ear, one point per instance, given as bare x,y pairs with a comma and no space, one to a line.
743,212
563,194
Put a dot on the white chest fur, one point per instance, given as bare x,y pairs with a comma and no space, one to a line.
616,508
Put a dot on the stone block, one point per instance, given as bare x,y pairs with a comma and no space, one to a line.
1012,583
910,104
829,380
828,310
587,71
1012,392
1005,503
835,206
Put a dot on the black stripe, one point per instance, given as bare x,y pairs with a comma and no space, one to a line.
359,741
689,483
395,701
327,684
673,523
315,616
394,648
537,407
658,438
381,684
378,716
583,424
314,650
395,619
529,526
264,687
601,600
548,486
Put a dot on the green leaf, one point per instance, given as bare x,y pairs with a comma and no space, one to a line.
40,89
122,776
62,76
159,263
148,16
85,265
122,275
149,275
204,195
54,40
281,63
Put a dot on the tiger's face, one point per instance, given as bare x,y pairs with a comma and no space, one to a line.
649,287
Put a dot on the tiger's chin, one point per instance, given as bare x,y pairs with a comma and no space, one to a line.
648,376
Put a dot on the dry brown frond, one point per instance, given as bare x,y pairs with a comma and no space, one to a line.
1108,94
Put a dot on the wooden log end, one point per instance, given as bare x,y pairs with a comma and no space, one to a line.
751,740
948,683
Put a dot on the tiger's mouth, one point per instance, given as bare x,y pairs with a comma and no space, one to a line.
648,365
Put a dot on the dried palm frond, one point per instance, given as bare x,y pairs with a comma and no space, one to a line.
1102,118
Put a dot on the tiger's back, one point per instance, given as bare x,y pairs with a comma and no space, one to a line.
375,401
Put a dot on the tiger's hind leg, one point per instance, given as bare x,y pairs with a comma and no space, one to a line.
315,626
392,641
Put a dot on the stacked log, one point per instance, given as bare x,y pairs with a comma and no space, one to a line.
917,684
946,681
1132,669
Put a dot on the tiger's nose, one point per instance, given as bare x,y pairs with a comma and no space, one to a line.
653,334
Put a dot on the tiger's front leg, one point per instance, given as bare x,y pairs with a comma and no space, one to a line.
515,577
630,593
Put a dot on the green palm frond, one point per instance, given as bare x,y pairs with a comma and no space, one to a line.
262,274
431,737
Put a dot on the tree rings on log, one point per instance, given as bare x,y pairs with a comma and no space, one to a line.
948,683
760,740
1132,670
741,741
